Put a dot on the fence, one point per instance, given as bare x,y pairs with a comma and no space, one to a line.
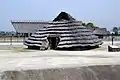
10,39
20,39
109,38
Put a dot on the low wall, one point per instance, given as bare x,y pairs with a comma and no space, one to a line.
106,72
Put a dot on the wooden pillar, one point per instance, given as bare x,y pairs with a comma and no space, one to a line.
24,34
11,39
4,37
17,36
112,38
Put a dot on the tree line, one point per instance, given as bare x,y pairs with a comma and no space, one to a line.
116,30
89,25
7,33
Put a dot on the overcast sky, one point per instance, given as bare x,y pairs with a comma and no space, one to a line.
103,13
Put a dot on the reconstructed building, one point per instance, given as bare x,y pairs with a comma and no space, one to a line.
28,27
101,32
64,32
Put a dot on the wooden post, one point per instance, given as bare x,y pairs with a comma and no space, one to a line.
16,37
11,40
24,36
4,37
112,38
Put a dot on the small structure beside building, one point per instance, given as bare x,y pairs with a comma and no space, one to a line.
113,48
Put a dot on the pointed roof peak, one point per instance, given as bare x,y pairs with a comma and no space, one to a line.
63,16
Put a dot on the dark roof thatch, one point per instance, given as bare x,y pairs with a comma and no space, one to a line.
64,16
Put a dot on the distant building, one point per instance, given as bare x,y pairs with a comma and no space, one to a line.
28,27
118,31
101,32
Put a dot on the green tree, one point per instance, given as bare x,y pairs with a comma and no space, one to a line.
91,25
115,30
83,24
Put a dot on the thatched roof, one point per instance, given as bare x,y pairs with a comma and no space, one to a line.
70,32
71,35
28,26
64,16
32,26
100,31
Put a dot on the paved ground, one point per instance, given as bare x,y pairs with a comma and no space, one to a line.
17,59
19,63
11,43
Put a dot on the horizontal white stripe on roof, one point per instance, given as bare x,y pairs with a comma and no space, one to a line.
32,41
79,37
44,38
74,45
79,41
32,44
39,35
70,24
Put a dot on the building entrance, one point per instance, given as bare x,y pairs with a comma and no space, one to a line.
53,42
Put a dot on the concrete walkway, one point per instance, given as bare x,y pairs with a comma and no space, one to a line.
59,65
11,43
56,59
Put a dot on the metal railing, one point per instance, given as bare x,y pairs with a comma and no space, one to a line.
12,39
18,39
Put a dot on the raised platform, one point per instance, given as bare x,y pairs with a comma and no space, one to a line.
105,72
113,48
59,65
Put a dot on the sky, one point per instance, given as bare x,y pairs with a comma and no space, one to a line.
103,13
